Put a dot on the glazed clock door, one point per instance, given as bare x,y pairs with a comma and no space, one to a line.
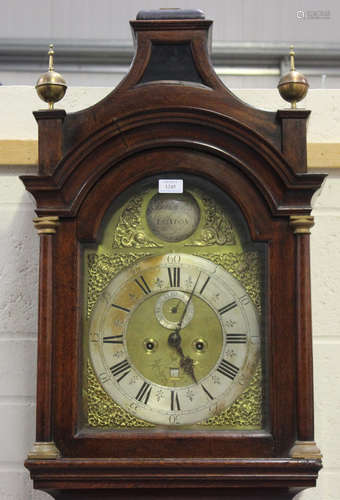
172,331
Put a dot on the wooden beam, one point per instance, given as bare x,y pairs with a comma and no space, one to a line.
25,152
16,152
323,155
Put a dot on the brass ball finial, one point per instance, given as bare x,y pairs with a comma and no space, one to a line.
51,86
293,86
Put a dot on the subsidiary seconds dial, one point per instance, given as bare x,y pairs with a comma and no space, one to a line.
174,339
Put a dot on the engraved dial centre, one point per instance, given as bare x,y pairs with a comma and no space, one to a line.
167,365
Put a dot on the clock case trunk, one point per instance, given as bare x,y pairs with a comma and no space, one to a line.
174,117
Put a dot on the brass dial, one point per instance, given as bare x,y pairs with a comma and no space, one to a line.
175,338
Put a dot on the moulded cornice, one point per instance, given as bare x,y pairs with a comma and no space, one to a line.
285,191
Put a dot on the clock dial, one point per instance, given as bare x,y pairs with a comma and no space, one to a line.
174,339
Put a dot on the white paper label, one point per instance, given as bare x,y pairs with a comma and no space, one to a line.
170,186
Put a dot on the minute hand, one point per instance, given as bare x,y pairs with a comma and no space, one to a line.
179,325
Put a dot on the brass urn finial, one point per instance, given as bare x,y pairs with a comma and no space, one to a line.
293,86
51,86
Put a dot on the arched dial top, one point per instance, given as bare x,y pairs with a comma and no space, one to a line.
174,339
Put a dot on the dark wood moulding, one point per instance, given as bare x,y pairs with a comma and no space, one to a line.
174,119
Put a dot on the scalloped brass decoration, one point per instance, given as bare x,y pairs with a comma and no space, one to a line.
130,232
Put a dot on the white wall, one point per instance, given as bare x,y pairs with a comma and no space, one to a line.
245,20
72,22
18,292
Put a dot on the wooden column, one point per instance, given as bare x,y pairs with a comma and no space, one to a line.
293,134
305,446
44,448
50,130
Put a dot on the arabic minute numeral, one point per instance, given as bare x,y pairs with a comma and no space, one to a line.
244,300
94,337
104,377
213,408
133,407
174,420
173,259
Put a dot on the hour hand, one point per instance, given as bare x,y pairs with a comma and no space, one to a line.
186,363
188,366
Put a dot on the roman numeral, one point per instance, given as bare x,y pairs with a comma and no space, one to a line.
236,338
227,308
144,393
121,308
174,401
204,285
122,368
143,286
174,276
114,339
228,369
207,392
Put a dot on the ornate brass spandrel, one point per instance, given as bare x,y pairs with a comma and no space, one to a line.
216,229
246,412
103,412
246,268
130,229
102,268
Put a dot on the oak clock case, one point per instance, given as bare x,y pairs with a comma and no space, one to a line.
174,337
173,295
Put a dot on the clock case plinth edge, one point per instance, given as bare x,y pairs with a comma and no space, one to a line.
265,161
277,478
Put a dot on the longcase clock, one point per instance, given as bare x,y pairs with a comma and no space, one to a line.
174,347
